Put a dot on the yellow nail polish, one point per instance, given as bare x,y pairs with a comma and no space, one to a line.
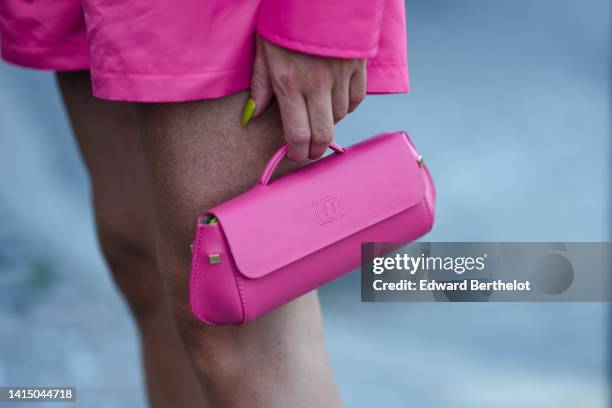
247,111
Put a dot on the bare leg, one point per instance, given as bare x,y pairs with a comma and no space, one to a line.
198,156
109,139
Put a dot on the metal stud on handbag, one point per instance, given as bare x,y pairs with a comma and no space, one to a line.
286,237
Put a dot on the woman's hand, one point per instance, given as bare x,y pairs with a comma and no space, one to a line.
313,94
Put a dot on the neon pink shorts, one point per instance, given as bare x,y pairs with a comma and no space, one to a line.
163,50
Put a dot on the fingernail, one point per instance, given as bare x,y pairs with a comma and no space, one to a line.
247,111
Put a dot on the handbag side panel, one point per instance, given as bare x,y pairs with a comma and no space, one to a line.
214,292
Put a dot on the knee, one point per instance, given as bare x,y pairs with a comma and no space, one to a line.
132,262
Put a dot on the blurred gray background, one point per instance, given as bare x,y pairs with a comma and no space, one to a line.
510,105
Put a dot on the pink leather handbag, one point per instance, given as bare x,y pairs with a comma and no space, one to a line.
286,237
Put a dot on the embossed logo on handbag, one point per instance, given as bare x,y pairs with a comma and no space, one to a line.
327,209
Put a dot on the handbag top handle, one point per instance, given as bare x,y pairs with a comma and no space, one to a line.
280,155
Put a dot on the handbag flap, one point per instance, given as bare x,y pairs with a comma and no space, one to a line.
273,225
